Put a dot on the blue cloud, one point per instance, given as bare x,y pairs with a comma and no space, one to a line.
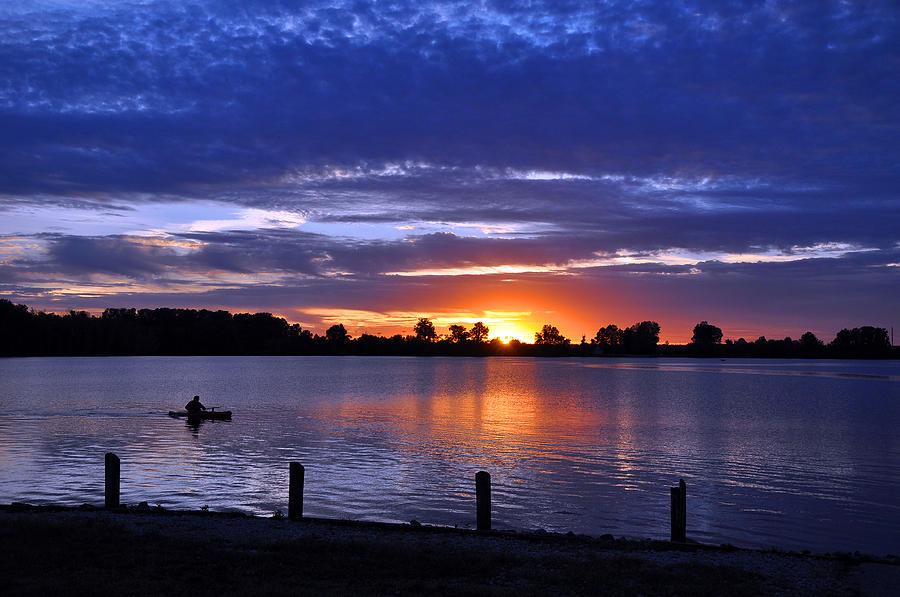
169,94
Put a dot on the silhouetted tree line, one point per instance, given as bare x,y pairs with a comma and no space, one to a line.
146,332
165,331
863,342
641,338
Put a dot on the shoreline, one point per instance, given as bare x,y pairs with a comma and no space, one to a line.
377,557
597,357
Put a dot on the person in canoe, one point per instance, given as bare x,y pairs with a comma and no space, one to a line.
194,406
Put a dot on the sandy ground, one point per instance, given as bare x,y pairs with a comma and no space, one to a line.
771,572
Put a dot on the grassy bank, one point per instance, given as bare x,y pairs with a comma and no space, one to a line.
177,553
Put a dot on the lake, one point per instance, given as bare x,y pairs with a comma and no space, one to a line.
775,453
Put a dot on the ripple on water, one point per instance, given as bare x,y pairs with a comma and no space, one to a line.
772,455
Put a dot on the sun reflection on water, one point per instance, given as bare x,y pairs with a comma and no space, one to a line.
569,445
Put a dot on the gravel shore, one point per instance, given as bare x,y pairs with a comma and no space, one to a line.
346,557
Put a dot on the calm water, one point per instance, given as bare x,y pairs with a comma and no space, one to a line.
793,454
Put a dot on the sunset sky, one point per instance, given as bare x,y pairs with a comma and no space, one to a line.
519,163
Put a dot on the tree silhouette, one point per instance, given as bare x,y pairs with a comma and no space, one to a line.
337,334
479,332
458,333
549,335
424,330
706,335
810,345
608,338
864,341
641,338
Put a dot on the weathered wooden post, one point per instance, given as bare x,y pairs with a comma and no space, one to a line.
113,468
483,500
295,491
679,512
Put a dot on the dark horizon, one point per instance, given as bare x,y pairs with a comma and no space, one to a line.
168,331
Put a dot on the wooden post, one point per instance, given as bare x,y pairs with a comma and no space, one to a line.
679,512
295,491
112,481
483,500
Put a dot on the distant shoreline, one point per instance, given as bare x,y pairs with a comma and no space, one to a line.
893,357
191,332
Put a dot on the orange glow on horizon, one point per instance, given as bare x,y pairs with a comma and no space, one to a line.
511,306
508,332
501,324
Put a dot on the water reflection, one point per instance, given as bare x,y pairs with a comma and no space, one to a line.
193,425
768,459
756,367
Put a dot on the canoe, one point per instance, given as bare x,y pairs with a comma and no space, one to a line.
219,415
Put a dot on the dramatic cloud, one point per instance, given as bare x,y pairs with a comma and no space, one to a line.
282,155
